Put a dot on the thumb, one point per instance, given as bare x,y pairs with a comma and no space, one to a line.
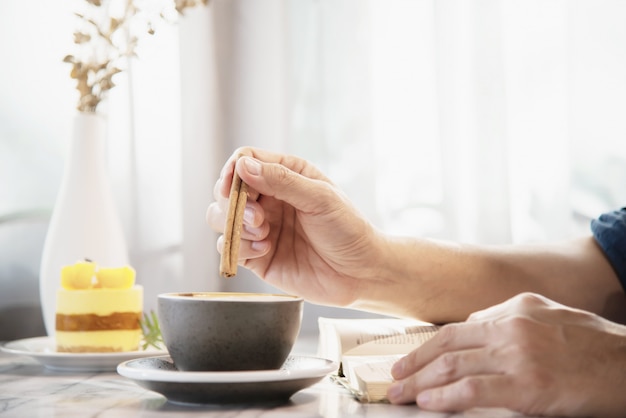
278,181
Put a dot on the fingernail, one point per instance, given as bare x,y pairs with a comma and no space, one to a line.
395,391
252,230
423,398
252,166
259,246
397,368
248,215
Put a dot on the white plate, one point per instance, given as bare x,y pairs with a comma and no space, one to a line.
43,349
159,374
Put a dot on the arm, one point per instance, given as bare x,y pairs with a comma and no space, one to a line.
449,281
303,235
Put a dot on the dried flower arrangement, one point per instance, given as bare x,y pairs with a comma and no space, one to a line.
109,35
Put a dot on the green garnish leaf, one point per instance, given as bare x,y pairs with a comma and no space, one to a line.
151,331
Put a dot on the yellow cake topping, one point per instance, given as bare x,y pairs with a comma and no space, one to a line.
98,309
116,278
87,275
78,276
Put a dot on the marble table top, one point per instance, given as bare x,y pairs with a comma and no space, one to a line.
28,389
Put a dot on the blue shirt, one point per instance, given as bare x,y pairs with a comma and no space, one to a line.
609,230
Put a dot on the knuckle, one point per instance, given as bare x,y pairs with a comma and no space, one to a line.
448,365
262,231
474,316
521,328
409,363
281,174
515,350
529,300
213,217
246,150
471,388
446,335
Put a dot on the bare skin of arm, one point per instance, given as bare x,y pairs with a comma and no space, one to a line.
518,350
302,235
449,281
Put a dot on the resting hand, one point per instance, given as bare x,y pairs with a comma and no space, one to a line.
529,354
301,234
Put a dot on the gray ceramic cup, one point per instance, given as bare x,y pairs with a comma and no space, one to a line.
223,331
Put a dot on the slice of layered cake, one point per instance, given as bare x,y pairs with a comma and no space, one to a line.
98,309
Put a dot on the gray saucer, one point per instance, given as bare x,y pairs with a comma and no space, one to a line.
159,374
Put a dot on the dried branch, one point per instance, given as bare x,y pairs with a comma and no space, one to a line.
105,41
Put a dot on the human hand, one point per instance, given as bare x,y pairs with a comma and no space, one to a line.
528,354
301,234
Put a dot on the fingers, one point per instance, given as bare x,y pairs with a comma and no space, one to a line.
470,392
525,355
221,189
255,228
248,249
254,224
453,358
279,181
483,362
449,338
291,163
445,369
286,178
454,371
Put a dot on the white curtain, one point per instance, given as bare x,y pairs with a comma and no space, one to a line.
476,120
482,121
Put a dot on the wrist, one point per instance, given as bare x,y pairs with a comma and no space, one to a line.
391,280
429,280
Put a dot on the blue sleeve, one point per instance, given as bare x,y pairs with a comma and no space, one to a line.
609,230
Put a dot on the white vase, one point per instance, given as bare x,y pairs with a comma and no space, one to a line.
85,222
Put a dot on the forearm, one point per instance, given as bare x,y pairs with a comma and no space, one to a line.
445,282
